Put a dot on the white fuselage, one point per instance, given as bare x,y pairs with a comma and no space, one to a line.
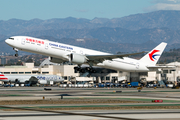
62,51
24,78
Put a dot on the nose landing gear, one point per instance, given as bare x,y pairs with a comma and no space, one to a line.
16,55
16,50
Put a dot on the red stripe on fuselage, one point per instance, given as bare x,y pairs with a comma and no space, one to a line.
3,78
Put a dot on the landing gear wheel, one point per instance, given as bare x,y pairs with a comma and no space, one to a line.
16,55
16,50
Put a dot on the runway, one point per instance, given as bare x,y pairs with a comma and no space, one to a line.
89,103
94,115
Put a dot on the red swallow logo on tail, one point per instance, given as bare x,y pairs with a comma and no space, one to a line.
152,55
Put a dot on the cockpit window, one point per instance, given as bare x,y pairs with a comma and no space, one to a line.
11,38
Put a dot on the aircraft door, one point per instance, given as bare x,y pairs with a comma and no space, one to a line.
137,65
46,45
81,52
23,41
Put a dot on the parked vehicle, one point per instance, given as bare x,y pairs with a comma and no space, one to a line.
27,85
151,85
134,84
169,85
80,85
126,85
101,85
8,85
108,84
116,85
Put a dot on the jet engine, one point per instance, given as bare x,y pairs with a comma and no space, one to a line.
18,81
77,58
55,60
42,81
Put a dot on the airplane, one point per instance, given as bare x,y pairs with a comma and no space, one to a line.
60,52
30,79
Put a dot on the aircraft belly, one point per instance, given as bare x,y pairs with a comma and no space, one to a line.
51,52
124,66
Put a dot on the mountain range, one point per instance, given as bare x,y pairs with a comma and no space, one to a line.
128,34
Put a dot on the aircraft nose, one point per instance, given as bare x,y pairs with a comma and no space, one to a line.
8,41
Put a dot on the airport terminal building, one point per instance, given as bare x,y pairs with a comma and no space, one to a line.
101,75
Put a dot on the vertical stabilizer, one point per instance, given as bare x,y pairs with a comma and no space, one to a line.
153,56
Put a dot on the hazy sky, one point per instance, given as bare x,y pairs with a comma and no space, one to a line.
47,9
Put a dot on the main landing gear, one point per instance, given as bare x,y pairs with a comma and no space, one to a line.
84,69
16,50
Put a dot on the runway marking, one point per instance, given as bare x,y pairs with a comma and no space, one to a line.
130,98
70,113
99,106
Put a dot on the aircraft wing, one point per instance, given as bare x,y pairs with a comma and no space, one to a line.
101,58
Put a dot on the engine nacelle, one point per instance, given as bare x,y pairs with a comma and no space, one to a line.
77,58
55,60
18,81
42,81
